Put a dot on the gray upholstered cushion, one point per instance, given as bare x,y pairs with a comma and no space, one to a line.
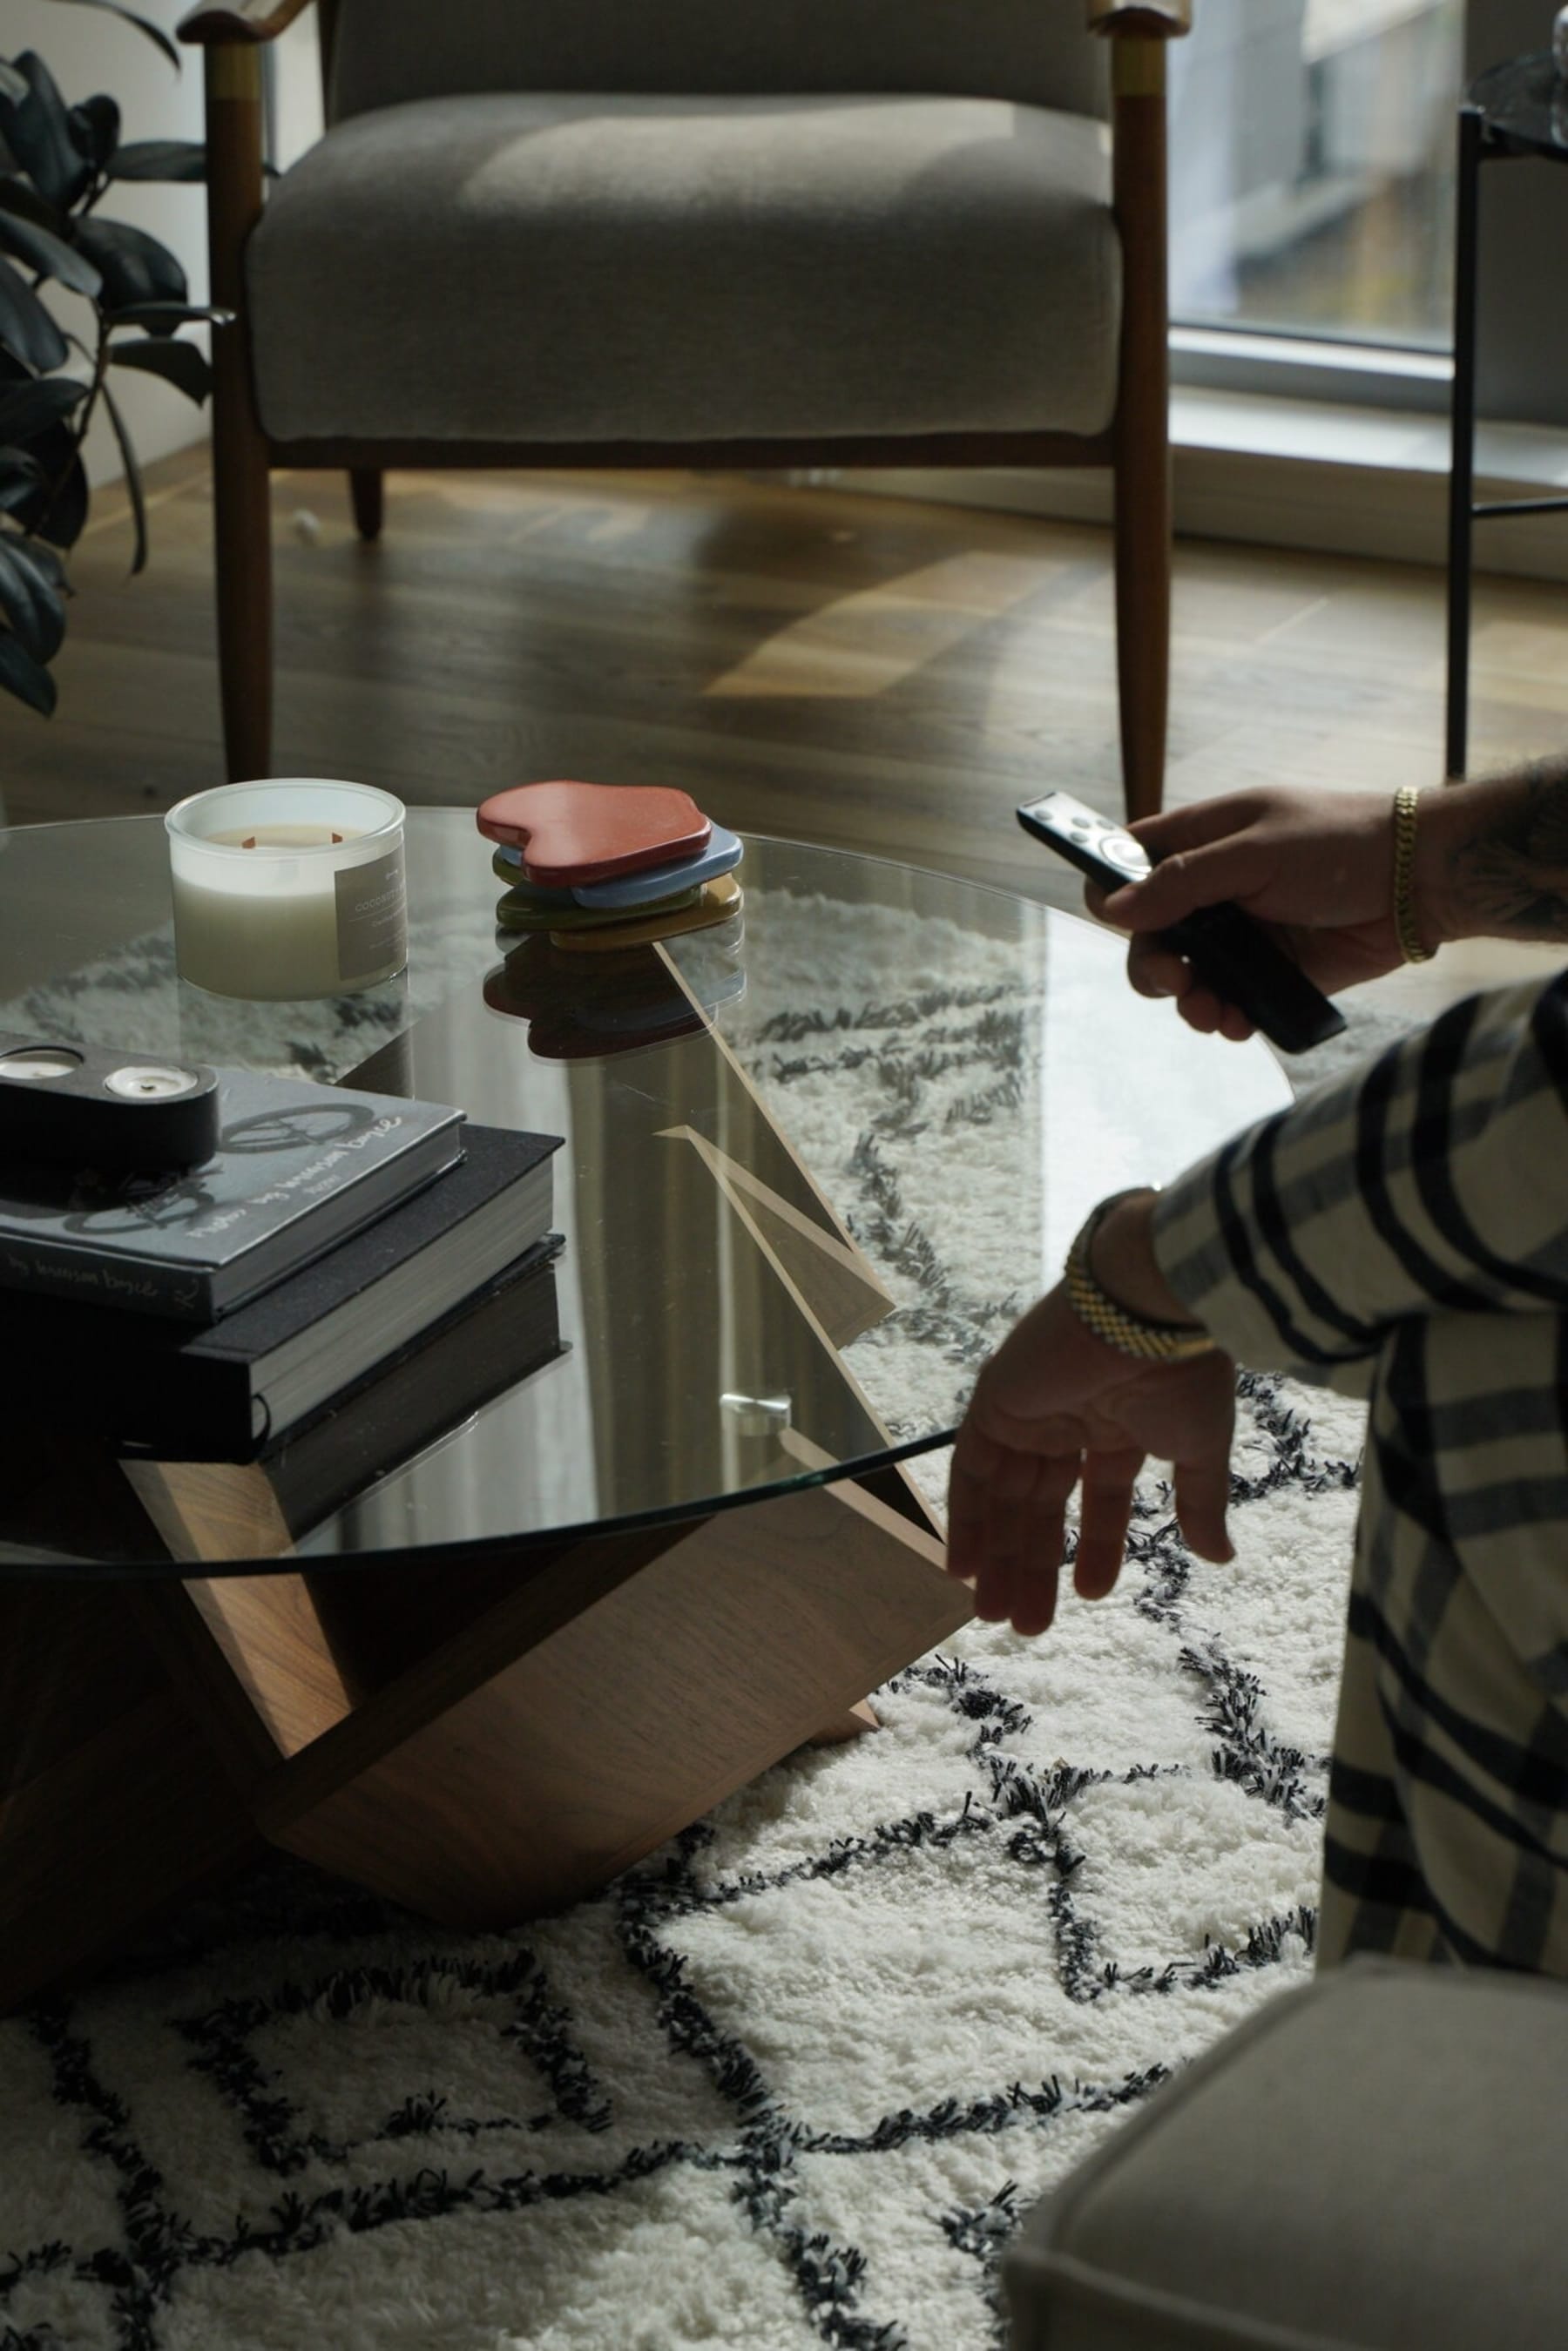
1039,51
1377,2161
499,268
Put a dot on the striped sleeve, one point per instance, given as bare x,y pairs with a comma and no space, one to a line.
1434,1179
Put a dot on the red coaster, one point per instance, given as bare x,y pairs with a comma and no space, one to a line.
571,833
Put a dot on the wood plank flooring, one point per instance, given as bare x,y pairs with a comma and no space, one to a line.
877,674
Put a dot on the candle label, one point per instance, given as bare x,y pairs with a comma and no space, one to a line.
372,918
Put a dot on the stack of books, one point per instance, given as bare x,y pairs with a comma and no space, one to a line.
348,1276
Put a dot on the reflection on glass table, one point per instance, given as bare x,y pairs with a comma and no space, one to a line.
813,1165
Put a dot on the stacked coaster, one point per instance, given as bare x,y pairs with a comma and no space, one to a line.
597,868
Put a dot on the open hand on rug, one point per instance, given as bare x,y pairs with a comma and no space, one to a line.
1091,1381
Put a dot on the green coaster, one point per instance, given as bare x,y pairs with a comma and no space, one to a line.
520,910
526,892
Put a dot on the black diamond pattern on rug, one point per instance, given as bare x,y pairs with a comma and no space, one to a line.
794,2079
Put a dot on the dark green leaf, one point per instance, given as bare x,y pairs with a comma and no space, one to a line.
12,84
39,133
60,509
128,16
20,476
29,601
136,267
42,252
159,159
17,196
20,674
166,318
36,404
96,123
177,364
25,326
46,561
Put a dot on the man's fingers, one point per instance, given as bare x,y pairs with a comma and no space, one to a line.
1103,1520
1235,867
1034,1601
1202,1010
973,1458
1194,826
1202,1491
1154,970
1005,1529
1234,1023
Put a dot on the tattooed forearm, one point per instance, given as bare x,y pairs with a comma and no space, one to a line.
1506,872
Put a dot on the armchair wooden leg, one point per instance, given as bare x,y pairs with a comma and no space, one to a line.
1141,430
1143,621
365,493
241,500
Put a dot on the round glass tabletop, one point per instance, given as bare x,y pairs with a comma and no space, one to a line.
814,1162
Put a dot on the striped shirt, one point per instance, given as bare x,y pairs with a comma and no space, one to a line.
1403,1234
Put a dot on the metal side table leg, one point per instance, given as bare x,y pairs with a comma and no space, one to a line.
1461,473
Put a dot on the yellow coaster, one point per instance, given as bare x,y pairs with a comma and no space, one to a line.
717,902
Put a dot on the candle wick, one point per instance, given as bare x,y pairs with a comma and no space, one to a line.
337,836
250,843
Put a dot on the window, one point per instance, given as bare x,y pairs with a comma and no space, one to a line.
1312,169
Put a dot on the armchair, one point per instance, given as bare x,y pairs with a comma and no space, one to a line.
791,234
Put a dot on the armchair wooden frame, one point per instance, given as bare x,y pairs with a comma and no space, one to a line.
1136,447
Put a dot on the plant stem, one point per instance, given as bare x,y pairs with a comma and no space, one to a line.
84,416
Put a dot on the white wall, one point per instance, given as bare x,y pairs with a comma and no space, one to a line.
295,64
88,50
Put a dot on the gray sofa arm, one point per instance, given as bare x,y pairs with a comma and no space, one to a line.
1375,2161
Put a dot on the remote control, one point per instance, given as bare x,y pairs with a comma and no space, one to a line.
1227,949
121,1113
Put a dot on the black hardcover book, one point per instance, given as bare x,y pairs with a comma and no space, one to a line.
495,1339
298,1167
226,1394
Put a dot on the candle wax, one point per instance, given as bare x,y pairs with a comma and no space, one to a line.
286,836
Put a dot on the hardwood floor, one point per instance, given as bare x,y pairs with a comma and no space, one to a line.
877,674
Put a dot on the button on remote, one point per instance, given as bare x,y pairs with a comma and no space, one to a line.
1121,849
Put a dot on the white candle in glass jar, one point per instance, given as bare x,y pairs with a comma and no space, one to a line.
288,888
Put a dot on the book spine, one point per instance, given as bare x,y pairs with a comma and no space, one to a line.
176,1293
175,1407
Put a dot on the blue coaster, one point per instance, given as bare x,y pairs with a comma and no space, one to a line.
722,855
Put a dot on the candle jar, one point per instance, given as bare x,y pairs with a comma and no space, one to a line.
288,888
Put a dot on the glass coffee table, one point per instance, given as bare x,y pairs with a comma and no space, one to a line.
815,1162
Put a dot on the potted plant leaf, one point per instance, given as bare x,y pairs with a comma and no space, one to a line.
57,163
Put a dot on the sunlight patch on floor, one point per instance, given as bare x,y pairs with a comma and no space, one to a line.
871,639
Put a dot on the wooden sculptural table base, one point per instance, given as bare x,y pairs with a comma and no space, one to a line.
482,1738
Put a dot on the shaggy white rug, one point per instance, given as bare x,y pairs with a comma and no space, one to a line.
793,2079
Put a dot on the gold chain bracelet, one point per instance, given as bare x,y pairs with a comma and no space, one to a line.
1129,1334
1406,930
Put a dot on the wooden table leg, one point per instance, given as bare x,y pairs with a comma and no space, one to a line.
113,1803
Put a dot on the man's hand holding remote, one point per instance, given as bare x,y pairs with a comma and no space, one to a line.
1316,867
